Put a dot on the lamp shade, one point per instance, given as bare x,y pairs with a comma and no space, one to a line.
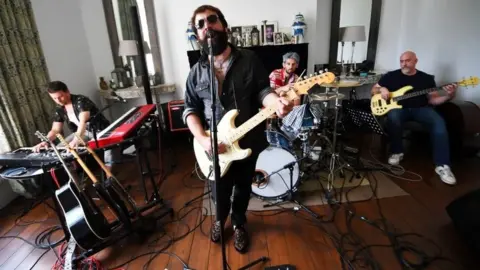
129,48
352,33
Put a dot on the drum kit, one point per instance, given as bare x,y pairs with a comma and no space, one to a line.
280,168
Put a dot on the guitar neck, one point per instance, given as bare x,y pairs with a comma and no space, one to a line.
417,93
251,123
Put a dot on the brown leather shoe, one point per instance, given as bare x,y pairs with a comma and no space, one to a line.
241,240
215,232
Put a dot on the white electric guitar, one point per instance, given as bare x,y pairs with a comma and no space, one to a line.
229,135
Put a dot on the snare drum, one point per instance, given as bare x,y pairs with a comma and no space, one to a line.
271,180
278,139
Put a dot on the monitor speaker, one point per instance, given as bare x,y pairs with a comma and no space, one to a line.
465,214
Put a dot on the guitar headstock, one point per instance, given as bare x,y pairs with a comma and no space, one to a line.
472,81
42,137
302,87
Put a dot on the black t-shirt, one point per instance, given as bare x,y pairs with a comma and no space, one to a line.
394,80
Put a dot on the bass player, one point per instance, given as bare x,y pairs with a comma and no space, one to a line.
419,109
243,84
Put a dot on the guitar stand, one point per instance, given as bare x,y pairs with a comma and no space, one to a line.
290,197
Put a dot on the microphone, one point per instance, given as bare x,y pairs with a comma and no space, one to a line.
209,33
119,98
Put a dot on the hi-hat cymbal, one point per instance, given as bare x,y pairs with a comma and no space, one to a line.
341,84
326,96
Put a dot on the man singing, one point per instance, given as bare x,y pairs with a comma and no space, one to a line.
76,111
283,78
242,84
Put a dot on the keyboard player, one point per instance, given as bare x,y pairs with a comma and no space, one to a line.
75,111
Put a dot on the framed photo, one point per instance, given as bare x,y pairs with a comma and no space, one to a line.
236,32
278,38
272,27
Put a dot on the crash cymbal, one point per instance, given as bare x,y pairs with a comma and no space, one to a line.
326,96
341,84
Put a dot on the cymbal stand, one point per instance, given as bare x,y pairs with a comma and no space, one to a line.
334,165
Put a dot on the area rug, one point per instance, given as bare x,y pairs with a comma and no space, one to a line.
310,192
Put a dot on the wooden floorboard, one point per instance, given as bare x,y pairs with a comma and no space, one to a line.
285,237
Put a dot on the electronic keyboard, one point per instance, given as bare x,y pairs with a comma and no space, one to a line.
123,127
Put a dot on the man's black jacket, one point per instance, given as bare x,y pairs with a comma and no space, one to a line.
245,86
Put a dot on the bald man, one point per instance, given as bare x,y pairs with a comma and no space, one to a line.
419,109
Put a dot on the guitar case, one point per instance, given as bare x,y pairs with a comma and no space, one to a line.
463,125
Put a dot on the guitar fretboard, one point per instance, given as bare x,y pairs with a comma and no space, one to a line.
251,123
416,94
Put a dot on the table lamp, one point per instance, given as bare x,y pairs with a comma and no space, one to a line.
129,48
351,34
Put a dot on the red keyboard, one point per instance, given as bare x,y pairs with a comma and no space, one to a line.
123,126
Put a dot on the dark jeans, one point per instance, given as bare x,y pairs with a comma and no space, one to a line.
239,175
431,119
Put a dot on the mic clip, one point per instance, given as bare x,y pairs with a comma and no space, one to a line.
117,97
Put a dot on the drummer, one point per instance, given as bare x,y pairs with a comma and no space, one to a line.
284,78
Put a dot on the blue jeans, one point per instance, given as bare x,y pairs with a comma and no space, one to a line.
426,116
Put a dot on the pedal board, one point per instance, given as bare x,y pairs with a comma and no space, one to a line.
281,267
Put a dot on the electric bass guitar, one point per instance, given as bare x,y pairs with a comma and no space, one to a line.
230,135
107,192
85,221
380,106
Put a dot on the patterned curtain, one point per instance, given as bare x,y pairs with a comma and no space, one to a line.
24,105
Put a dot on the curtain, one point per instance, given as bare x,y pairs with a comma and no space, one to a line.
24,104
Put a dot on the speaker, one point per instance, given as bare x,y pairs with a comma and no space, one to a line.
175,112
464,212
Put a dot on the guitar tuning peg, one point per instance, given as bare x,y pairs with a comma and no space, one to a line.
311,75
315,74
304,77
320,72
326,70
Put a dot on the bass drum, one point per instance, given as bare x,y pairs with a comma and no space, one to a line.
271,180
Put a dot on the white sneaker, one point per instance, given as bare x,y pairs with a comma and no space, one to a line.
446,174
395,159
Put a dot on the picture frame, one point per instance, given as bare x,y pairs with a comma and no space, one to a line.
272,27
278,38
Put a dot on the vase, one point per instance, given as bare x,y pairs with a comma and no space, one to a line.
103,84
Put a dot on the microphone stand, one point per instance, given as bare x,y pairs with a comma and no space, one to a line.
214,143
93,129
216,166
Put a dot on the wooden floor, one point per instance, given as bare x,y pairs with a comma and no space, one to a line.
285,238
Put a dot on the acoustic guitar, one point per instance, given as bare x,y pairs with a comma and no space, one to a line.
85,221
380,106
230,135
107,193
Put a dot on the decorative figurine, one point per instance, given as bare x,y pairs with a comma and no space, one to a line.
299,27
192,38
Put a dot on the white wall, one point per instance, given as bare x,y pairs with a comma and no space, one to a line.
65,45
173,16
443,33
355,13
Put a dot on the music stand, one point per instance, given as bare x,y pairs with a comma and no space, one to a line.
364,119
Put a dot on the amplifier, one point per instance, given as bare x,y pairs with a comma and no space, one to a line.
175,111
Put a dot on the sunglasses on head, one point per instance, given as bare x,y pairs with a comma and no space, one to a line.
210,18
